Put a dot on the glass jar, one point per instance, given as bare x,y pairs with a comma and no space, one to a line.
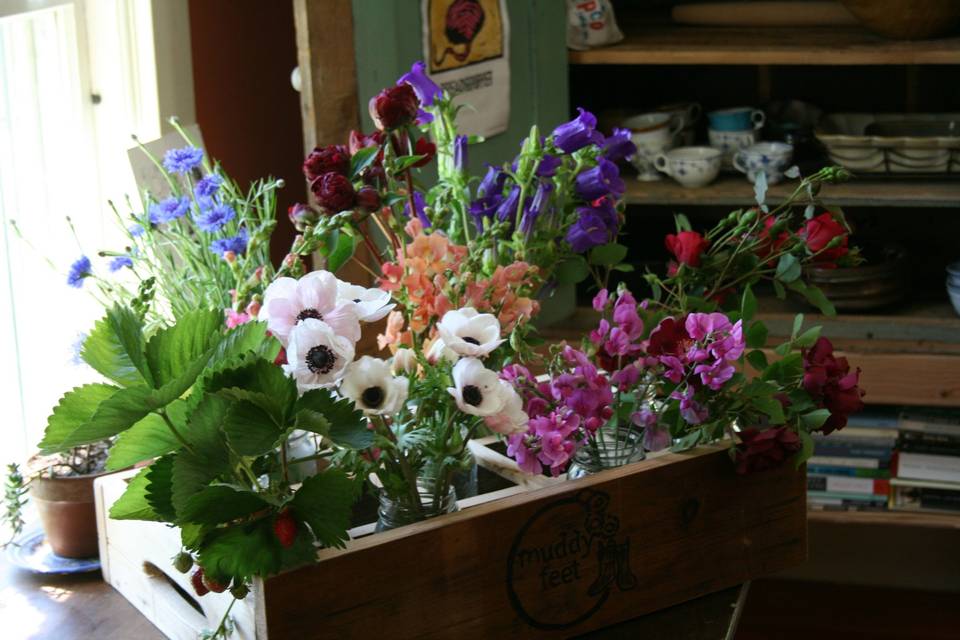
396,513
609,448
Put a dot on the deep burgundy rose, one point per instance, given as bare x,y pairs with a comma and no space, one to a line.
831,384
686,246
323,160
359,140
669,338
368,198
394,107
818,233
333,191
762,450
424,147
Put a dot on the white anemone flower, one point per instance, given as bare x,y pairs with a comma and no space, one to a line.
512,418
440,351
369,383
470,333
288,302
371,304
405,361
316,355
478,390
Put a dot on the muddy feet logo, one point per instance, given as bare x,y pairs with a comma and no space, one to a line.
565,561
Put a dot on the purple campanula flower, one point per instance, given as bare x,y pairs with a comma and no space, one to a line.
507,211
484,208
492,183
548,166
182,160
619,145
423,117
603,179
589,231
120,262
213,219
426,89
169,210
537,205
420,206
79,271
460,153
578,133
237,244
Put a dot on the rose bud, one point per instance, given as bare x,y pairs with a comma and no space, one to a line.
359,140
368,198
425,148
394,107
321,160
334,192
302,215
686,246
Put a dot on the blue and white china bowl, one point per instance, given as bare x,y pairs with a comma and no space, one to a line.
954,292
736,119
691,166
729,142
769,158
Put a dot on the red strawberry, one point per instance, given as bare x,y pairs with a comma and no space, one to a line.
197,581
285,528
213,585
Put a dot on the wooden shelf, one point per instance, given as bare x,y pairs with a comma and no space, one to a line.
735,190
671,44
890,518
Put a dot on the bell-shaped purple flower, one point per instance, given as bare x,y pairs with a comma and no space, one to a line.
537,205
577,133
590,230
619,145
420,206
603,179
492,183
426,89
548,166
460,153
507,211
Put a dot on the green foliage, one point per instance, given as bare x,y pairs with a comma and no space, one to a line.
608,254
337,419
174,353
14,500
133,504
107,355
147,439
340,247
251,430
75,409
251,549
219,504
324,502
572,270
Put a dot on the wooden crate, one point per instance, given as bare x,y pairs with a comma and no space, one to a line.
554,561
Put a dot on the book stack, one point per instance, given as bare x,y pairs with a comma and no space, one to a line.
927,462
850,468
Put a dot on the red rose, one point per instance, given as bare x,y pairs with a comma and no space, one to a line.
819,232
769,246
368,198
424,147
762,450
333,191
686,246
394,107
323,160
831,384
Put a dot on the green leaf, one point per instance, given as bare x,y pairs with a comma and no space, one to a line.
173,352
817,298
771,407
203,429
189,475
106,354
123,409
806,448
788,268
248,550
608,254
815,419
129,332
748,305
191,535
572,270
757,335
133,504
779,290
340,247
325,501
338,419
362,159
782,349
808,337
682,222
159,490
757,360
260,382
74,409
624,267
688,441
147,439
250,430
219,504
402,163
797,325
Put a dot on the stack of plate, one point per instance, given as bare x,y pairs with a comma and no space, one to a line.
953,285
879,282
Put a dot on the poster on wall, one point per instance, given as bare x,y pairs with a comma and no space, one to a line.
466,45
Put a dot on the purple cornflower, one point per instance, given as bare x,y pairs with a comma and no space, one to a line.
237,244
460,153
619,145
79,270
578,133
603,179
182,160
213,219
426,89
120,262
169,209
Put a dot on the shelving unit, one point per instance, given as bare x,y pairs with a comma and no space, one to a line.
887,518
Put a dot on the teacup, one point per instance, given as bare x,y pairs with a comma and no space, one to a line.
691,166
729,142
736,119
769,158
652,133
686,115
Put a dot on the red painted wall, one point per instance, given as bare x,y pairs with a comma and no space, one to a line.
243,53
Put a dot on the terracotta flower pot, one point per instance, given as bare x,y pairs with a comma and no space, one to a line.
67,513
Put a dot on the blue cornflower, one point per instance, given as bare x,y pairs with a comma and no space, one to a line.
237,244
120,262
207,186
182,160
169,209
76,349
79,270
211,220
135,230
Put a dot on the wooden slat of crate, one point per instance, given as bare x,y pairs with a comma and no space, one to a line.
688,524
